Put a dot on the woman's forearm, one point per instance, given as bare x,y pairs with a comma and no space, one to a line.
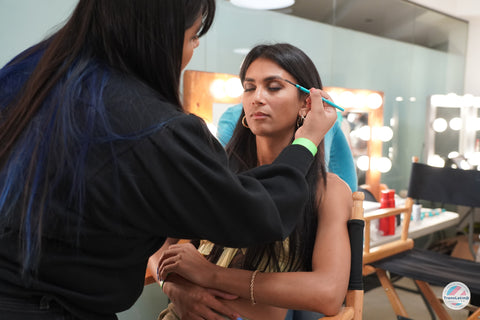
313,291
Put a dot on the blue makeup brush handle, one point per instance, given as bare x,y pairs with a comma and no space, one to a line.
333,104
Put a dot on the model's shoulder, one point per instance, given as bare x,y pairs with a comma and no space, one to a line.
334,181
336,188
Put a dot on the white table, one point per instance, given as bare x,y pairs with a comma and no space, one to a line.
417,229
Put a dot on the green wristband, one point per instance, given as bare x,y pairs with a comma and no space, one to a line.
307,144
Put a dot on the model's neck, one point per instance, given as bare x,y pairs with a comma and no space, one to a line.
269,148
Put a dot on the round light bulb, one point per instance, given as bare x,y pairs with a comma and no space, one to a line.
382,133
347,99
217,88
363,163
455,124
364,133
453,154
382,164
436,161
374,100
439,125
233,87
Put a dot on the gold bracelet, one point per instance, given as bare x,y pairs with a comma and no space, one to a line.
252,283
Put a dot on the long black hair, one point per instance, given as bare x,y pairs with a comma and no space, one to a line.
51,105
243,156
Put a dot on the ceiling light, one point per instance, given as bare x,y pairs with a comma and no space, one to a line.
263,4
242,51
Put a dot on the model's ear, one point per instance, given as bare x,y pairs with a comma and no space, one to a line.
302,112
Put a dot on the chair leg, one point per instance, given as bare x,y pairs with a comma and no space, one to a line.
432,300
392,295
425,301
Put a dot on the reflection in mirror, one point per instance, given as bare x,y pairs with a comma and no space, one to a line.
447,125
453,133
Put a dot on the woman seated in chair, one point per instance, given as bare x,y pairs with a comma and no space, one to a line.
307,271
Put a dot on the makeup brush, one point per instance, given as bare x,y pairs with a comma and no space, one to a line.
305,90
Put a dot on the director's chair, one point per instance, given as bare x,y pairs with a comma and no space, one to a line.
425,267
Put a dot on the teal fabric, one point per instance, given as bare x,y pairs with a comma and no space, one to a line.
338,156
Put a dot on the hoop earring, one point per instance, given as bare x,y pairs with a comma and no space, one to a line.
244,122
300,120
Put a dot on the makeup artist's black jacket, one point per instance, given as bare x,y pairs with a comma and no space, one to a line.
173,182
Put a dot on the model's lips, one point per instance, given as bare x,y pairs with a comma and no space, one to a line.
259,115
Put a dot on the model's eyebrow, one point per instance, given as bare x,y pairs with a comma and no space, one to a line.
270,78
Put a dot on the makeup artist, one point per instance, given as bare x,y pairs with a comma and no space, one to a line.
99,163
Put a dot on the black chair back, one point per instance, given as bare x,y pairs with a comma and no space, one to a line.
445,185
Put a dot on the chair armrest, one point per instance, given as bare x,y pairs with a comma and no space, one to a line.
406,209
386,250
385,212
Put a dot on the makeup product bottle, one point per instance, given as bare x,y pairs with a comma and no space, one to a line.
417,211
387,225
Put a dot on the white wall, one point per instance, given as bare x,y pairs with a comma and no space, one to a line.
25,22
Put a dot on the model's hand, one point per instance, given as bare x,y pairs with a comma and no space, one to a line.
319,119
192,302
185,260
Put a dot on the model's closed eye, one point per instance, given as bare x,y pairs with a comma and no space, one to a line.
274,88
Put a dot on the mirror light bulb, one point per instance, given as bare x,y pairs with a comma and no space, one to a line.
439,125
217,88
374,100
363,163
455,124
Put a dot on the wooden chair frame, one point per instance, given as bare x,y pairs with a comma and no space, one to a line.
388,249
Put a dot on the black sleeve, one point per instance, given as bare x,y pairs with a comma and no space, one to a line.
177,183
